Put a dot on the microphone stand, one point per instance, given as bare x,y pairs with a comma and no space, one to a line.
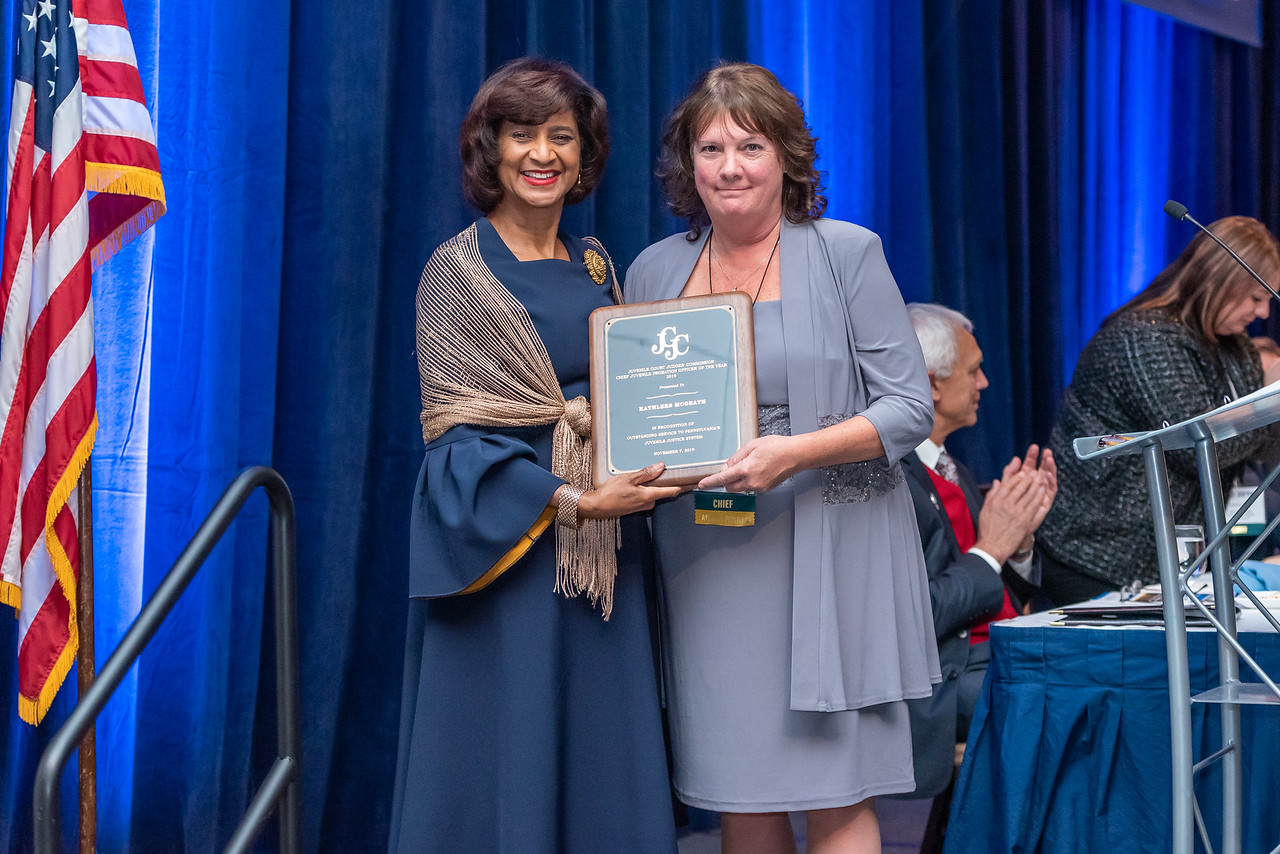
1179,212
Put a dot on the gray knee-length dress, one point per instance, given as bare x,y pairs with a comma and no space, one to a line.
726,611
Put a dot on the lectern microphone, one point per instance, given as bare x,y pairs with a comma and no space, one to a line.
1178,211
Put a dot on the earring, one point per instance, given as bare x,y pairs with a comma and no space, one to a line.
579,177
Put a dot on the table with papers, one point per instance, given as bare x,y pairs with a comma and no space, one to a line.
1069,746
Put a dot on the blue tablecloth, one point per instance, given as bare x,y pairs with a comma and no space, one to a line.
1069,749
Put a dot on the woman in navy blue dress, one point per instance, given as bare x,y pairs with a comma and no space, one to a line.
530,720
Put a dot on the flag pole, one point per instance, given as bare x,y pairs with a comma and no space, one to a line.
85,668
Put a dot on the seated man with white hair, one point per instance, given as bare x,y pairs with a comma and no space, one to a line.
979,552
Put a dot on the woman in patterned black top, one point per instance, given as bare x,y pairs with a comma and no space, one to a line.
1174,351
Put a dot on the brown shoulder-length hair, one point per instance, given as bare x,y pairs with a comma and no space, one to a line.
1204,279
756,101
529,91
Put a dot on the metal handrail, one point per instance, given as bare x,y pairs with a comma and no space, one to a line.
281,784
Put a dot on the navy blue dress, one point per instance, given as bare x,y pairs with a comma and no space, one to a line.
530,725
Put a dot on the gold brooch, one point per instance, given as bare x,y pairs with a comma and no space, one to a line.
595,265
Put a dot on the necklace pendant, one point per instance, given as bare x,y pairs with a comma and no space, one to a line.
765,263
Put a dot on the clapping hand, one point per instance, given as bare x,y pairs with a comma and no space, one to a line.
1017,503
1043,464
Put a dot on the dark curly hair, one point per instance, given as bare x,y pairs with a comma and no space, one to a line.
756,101
529,91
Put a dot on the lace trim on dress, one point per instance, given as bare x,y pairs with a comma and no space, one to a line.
847,483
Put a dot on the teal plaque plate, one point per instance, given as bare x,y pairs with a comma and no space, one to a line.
672,381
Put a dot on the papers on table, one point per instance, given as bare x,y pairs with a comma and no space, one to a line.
1248,618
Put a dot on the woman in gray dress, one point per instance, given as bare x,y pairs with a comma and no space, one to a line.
791,646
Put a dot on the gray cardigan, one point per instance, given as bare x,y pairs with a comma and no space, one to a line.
850,350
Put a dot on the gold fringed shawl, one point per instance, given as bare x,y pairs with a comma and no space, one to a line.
481,362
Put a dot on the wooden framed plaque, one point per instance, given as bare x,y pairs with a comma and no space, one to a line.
672,381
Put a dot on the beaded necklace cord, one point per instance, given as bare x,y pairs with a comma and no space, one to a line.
766,262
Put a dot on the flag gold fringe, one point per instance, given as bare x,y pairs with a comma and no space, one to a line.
124,233
33,710
11,595
123,180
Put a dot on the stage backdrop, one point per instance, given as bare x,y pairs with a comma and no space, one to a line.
1014,155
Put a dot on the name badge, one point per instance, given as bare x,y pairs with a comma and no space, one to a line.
728,509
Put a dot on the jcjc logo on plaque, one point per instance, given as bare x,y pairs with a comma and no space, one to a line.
670,344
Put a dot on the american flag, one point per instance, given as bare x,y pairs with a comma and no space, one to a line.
78,126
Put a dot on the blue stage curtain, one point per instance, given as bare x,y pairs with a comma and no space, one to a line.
1118,109
1014,157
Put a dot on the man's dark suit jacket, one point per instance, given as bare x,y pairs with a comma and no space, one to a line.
963,589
